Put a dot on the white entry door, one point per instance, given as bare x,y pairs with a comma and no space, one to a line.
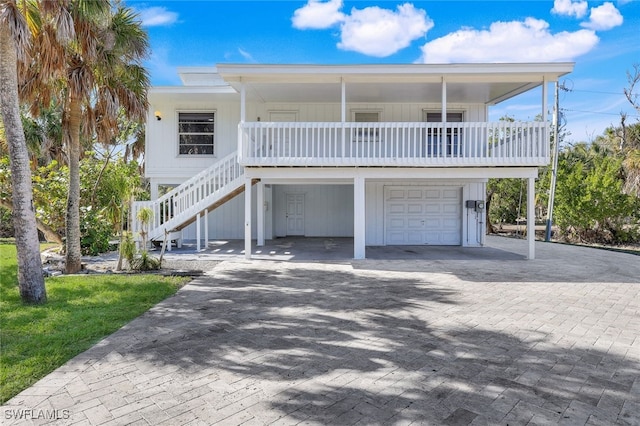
295,214
417,215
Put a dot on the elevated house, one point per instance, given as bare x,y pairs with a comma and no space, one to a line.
386,154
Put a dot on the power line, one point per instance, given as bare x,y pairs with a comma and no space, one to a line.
597,112
594,91
564,88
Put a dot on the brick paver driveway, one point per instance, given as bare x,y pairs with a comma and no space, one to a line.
443,341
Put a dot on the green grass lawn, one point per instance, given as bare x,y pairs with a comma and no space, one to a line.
81,310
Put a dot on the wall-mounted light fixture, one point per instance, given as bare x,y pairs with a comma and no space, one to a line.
158,115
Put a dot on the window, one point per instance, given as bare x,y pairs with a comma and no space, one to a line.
366,117
366,134
196,131
452,134
436,117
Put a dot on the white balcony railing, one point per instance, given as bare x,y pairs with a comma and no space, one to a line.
393,144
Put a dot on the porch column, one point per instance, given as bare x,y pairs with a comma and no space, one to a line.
444,100
343,100
343,113
531,218
359,228
198,232
206,228
443,136
243,103
243,116
545,95
260,210
247,218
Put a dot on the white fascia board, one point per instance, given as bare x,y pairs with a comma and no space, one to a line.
315,174
170,90
170,93
455,72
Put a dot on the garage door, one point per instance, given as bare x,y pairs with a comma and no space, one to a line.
416,215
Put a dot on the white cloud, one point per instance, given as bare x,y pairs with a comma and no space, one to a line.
246,55
372,31
603,18
514,41
570,8
382,32
318,15
162,71
157,16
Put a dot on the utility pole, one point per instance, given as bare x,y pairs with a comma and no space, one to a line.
554,169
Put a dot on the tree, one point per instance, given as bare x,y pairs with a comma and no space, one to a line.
101,49
591,205
631,136
14,39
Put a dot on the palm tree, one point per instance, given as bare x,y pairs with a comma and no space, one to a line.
101,49
14,41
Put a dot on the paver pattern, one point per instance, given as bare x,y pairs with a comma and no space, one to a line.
373,342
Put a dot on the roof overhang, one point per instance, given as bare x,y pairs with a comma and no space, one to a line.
178,93
466,83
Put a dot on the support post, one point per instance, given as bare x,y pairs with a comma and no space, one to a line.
343,114
247,218
443,136
359,227
261,213
198,231
243,113
206,228
243,103
531,218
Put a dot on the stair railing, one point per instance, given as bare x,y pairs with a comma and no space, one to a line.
189,198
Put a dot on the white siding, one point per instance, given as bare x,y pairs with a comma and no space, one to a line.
163,161
322,112
161,153
328,209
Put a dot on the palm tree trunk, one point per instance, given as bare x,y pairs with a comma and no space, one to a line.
30,277
73,262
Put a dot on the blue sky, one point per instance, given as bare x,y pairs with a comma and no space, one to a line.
602,38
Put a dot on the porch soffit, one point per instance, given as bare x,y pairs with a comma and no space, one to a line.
400,92
466,83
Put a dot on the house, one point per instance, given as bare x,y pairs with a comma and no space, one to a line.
386,154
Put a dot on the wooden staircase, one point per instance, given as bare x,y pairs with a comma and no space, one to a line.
181,206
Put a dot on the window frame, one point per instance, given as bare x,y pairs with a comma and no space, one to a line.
213,134
366,134
453,136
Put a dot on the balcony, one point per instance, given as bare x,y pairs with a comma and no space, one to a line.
349,144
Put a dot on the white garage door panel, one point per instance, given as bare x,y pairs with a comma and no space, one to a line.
415,223
450,194
413,194
396,194
451,208
423,215
397,208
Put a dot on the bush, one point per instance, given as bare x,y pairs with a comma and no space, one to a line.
145,262
590,204
50,185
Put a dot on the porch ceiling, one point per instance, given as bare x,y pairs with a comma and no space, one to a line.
466,83
484,93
